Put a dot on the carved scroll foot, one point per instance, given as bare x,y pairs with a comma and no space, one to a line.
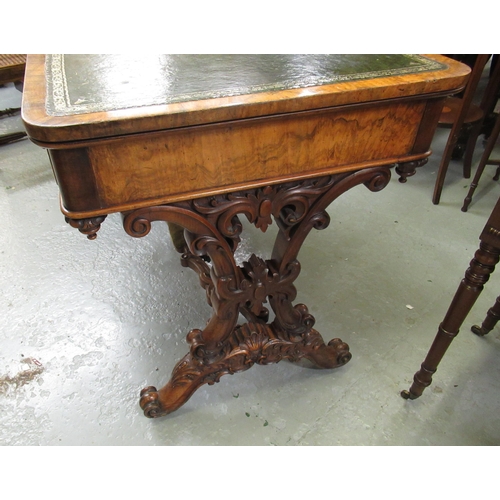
334,354
187,377
156,403
149,402
248,344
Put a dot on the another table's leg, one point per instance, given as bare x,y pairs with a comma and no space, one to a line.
212,230
481,266
492,318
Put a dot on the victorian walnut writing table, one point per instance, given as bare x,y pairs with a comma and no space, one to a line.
198,141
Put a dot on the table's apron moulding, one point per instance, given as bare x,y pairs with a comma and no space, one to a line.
117,174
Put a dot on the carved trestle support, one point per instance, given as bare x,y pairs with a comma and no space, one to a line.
212,232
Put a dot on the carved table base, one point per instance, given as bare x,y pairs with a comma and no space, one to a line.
211,235
207,232
248,344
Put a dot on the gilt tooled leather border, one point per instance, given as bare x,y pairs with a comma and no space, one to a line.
59,101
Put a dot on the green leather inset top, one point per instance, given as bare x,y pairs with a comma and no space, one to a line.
79,83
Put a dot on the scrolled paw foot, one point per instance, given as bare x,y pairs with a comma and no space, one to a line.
149,402
342,348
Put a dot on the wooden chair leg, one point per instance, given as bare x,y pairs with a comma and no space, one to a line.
470,147
484,161
492,318
497,174
443,167
474,184
471,286
481,61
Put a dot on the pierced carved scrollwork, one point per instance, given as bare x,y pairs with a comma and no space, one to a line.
212,230
287,203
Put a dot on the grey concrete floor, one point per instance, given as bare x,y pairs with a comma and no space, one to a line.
85,325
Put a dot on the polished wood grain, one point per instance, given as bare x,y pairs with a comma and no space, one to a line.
45,128
120,160
200,165
205,160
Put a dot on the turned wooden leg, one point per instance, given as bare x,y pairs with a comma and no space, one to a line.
492,317
481,266
497,174
473,186
460,148
482,164
470,146
405,170
89,226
